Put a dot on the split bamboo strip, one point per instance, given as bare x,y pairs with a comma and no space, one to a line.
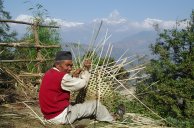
139,99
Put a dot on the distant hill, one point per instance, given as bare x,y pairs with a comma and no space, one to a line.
137,44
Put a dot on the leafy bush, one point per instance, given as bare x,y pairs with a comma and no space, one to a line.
170,89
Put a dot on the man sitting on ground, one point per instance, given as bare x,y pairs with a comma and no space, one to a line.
54,94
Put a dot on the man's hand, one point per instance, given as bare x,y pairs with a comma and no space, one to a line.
87,64
77,72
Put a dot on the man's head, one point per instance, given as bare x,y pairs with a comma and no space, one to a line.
63,61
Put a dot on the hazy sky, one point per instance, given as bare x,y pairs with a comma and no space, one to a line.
122,17
87,10
125,19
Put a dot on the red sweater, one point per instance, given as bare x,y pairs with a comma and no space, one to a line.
52,99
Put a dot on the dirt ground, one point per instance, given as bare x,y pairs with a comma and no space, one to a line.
23,115
17,113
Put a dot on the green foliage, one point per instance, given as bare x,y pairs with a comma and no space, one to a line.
5,34
47,36
173,71
189,123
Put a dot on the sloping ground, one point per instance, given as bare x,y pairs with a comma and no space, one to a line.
23,115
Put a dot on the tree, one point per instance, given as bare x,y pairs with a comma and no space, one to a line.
47,36
5,33
172,72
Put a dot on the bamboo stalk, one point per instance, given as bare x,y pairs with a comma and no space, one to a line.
21,83
22,60
76,59
35,114
27,45
131,70
35,28
2,82
94,36
31,75
27,23
132,78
